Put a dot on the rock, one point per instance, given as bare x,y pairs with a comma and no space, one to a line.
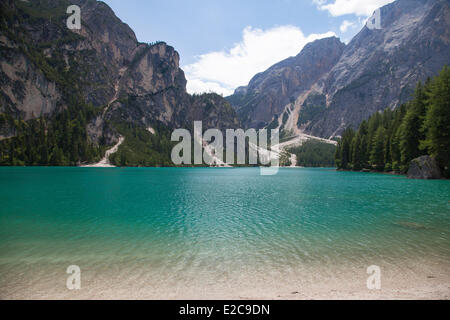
269,92
424,167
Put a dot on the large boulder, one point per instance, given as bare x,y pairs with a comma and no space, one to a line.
424,167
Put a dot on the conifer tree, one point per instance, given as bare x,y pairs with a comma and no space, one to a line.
436,126
377,155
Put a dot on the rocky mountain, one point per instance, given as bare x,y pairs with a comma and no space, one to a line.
379,68
269,92
101,75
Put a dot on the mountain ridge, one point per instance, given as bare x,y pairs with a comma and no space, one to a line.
377,69
284,80
99,81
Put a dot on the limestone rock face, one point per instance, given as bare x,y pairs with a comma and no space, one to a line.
269,92
424,167
215,111
27,93
381,68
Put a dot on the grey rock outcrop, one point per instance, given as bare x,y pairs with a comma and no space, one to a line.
424,167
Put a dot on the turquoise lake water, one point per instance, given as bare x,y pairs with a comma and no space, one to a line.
213,222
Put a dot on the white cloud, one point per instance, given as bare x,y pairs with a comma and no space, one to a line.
357,7
200,86
345,25
223,71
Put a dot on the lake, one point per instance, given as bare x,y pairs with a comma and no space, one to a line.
170,233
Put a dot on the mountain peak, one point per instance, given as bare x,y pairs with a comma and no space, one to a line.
329,41
378,69
269,92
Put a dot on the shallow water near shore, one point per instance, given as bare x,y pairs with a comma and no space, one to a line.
220,233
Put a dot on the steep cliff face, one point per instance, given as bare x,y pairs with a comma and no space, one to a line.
46,68
151,88
108,46
41,57
380,68
214,111
376,70
269,92
26,92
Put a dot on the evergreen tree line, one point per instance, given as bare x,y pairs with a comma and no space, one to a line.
57,141
314,154
388,141
142,148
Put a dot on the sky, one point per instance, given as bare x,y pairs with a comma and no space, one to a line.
224,43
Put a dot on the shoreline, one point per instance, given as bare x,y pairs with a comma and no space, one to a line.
107,166
162,167
390,173
167,234
421,280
